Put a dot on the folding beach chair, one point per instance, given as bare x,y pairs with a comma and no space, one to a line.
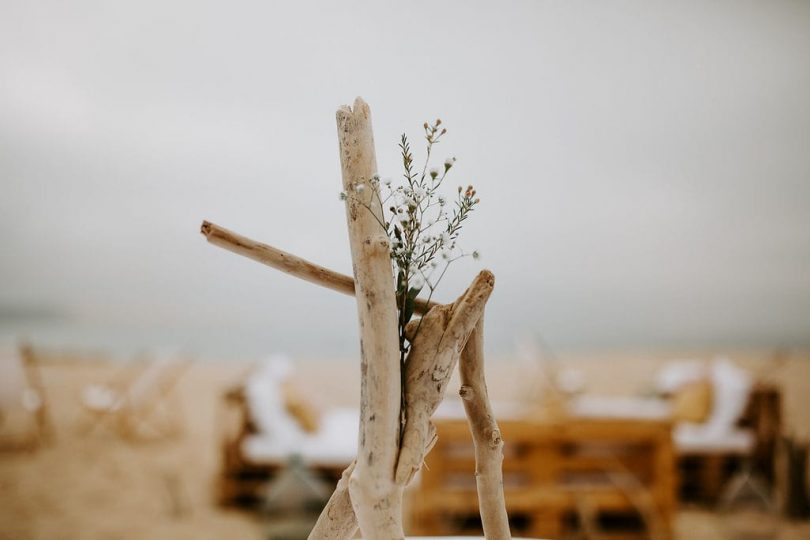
142,407
24,417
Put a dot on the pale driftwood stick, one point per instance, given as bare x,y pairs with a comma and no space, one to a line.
287,262
486,437
435,350
337,521
276,258
376,498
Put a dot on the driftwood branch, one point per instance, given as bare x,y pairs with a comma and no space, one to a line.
376,498
486,437
287,262
435,349
337,520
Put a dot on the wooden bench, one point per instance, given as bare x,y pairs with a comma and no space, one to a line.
554,473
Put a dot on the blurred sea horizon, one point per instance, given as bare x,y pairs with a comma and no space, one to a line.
117,341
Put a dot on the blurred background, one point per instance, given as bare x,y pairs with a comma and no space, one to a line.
644,177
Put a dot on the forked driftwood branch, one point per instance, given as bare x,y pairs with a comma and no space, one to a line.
369,495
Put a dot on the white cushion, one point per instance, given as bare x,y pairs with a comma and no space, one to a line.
731,387
265,401
334,444
620,407
701,439
678,373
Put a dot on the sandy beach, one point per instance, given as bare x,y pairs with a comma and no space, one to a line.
100,487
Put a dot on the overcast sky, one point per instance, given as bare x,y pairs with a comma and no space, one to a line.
644,167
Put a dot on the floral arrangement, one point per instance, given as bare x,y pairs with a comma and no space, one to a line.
422,230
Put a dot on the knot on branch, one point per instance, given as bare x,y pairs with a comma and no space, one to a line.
376,245
466,392
495,439
441,372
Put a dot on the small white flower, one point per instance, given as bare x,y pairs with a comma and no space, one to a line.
449,162
360,188
476,254
442,200
387,182
419,194
417,281
434,172
404,200
445,238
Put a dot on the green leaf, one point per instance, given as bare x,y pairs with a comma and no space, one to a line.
401,284
410,300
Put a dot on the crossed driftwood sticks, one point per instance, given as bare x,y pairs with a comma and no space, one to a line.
369,494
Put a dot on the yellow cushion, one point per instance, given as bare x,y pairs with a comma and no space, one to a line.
692,402
302,409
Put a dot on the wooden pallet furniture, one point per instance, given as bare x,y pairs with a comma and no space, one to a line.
554,472
243,482
703,473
